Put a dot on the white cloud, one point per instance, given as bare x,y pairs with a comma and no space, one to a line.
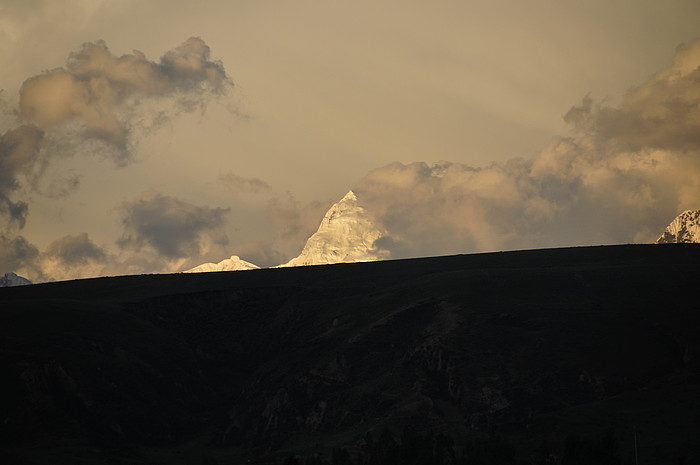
633,168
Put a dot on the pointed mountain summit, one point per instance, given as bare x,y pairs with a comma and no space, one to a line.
12,279
685,228
347,234
235,263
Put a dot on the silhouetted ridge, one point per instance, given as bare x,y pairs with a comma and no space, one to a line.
542,356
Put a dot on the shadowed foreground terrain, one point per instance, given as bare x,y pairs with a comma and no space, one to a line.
533,357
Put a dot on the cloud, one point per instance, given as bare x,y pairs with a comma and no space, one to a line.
239,184
19,154
59,188
628,173
17,253
289,224
293,224
264,253
561,197
96,103
71,257
173,228
663,113
101,93
75,250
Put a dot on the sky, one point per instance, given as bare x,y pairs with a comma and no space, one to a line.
152,136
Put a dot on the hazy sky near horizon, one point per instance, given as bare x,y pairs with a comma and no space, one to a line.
182,167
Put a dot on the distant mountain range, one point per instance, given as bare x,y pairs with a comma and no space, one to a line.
347,233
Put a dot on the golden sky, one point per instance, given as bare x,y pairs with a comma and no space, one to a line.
325,92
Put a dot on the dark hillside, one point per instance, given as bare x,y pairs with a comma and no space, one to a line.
547,356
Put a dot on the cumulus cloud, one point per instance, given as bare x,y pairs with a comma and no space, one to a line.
97,102
664,112
75,250
559,198
100,92
71,257
16,253
171,227
628,173
240,184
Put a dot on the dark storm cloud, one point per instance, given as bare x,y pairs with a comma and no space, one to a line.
75,250
239,184
579,116
631,170
71,257
101,92
172,227
17,253
19,153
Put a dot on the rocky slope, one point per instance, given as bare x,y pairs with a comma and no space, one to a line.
12,279
235,263
346,234
684,228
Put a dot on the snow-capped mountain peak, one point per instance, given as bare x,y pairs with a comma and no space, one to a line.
349,197
235,263
12,279
347,234
684,228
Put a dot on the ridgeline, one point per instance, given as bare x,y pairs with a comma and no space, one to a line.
557,356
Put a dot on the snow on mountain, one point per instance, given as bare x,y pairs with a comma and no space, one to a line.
347,234
235,263
685,228
11,279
